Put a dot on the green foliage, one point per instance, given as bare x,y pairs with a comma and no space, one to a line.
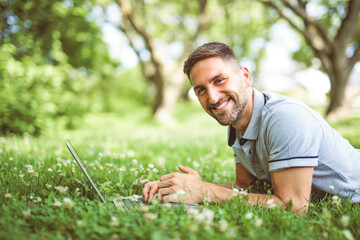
54,63
33,95
123,150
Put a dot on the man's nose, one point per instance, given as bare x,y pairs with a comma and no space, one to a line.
214,96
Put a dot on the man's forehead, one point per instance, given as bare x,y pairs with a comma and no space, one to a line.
208,69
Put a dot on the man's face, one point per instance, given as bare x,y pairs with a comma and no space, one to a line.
221,88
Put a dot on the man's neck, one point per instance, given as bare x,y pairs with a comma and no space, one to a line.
242,124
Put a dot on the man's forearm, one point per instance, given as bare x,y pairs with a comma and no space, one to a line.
223,192
230,185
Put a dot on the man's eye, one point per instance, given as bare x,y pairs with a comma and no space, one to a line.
200,91
220,80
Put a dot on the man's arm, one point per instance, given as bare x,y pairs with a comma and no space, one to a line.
293,184
243,179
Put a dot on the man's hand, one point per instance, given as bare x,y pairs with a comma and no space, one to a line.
150,189
189,181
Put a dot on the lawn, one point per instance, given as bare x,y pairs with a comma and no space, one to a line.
43,194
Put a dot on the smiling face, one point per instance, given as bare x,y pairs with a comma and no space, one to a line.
223,89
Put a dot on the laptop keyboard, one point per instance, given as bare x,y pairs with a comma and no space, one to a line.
128,203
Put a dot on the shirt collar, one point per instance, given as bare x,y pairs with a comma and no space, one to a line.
253,129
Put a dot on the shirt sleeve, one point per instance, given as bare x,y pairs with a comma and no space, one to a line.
293,137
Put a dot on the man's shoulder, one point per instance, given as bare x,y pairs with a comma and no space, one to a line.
282,106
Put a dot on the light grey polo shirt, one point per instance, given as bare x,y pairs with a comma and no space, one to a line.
284,133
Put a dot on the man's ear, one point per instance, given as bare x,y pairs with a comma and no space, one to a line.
246,75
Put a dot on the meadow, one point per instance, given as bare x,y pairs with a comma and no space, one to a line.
43,194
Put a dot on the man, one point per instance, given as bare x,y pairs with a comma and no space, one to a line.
273,137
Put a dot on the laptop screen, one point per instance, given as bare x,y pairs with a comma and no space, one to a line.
83,168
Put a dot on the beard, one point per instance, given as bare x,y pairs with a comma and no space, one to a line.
229,118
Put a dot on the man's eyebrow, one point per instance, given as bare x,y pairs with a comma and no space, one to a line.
210,81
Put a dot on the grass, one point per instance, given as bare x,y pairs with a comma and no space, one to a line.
44,196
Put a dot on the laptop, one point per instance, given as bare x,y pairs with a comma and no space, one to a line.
124,203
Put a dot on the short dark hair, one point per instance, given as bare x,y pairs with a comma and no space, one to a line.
208,50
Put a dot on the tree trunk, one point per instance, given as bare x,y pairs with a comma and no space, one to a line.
168,93
336,108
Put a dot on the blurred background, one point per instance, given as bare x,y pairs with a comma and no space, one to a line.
65,61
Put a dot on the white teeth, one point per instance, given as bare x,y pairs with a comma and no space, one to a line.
222,105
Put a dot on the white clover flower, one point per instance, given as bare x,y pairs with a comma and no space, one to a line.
68,203
134,161
249,215
223,225
196,165
26,213
57,203
243,192
114,221
166,205
336,201
208,216
258,222
21,175
157,199
28,166
181,195
271,203
8,195
144,208
58,164
345,220
11,159
348,235
173,197
192,212
80,223
30,170
331,187
150,217
235,192
151,165
193,228
61,189
110,165
206,200
326,213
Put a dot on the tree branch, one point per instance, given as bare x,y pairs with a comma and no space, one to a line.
282,15
308,20
348,26
354,58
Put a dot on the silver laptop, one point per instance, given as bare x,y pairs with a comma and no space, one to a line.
124,203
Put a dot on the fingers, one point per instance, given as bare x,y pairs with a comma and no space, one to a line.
150,189
188,170
152,193
145,192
